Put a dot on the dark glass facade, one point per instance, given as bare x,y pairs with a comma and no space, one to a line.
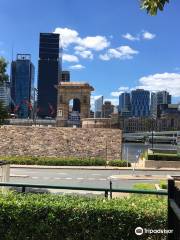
65,76
140,101
124,102
22,85
49,70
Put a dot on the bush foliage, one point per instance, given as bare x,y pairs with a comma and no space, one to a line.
119,163
54,161
53,217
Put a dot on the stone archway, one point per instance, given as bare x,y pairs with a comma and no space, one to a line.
73,90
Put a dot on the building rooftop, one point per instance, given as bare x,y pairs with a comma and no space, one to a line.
76,84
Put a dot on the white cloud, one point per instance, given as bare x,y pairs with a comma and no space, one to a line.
131,37
96,43
120,91
79,48
85,54
156,82
124,89
161,81
70,36
77,67
114,101
148,36
122,52
67,36
70,58
142,35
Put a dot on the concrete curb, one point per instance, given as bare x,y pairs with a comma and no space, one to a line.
92,168
139,177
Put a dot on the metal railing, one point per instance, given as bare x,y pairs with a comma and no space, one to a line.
107,191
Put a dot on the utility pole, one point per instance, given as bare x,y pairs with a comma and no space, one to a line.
152,129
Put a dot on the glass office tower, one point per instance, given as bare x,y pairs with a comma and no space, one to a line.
98,107
49,70
124,102
140,101
22,85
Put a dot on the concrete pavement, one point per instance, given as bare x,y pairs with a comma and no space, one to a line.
93,168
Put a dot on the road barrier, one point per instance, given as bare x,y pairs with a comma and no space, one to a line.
107,191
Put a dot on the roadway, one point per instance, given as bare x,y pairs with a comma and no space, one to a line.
82,178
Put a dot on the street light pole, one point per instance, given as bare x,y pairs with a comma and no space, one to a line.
152,128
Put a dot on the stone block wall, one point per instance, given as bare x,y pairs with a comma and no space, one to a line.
60,142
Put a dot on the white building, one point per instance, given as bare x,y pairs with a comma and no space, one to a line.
98,107
5,93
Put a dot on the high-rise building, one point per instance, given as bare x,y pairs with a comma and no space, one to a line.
5,93
65,76
107,109
98,107
22,85
125,105
49,72
140,100
161,97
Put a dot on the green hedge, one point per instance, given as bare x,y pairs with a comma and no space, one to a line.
52,161
164,157
119,163
53,217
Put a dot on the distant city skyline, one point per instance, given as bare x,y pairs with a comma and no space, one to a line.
112,54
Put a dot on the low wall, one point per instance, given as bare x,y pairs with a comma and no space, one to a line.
60,142
96,123
161,164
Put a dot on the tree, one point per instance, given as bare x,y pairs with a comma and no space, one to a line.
152,6
3,113
3,78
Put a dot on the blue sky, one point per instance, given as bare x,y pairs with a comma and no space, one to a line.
113,45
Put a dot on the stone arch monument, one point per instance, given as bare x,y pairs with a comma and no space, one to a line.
77,91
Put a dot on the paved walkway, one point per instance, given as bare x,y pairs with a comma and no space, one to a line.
93,168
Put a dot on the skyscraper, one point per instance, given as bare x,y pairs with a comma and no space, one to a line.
49,70
140,100
65,76
124,102
107,109
161,97
22,85
98,107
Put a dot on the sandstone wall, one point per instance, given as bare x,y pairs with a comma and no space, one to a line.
56,141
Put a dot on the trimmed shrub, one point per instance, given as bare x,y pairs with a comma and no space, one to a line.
119,163
52,161
53,217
